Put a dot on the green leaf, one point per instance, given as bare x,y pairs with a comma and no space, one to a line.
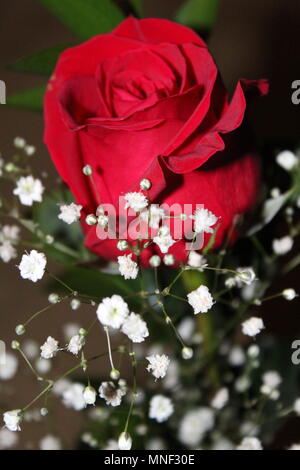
86,18
97,284
42,62
199,14
138,7
28,99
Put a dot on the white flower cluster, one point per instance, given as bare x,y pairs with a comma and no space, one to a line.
253,326
33,266
70,213
200,299
114,312
29,190
9,237
204,220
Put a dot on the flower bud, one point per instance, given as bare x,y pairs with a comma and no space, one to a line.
20,330
169,260
289,294
122,245
44,411
145,184
155,261
125,441
91,219
114,374
187,353
15,345
89,395
87,170
53,298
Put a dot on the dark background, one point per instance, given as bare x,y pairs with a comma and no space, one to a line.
251,39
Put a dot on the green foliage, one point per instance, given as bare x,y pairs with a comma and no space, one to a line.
138,6
29,99
97,284
86,18
42,62
200,14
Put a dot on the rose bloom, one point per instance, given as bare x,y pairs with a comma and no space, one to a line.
147,101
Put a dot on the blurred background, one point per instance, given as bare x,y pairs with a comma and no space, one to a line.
251,40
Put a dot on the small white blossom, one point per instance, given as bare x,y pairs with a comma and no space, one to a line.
12,420
155,261
236,356
158,364
145,184
53,298
252,326
7,252
111,393
111,444
161,408
163,239
194,425
103,220
75,304
220,399
10,233
73,397
19,142
124,441
135,328
200,299
203,220
42,365
231,282
136,201
70,213
250,443
297,406
61,386
169,260
186,328
30,150
70,329
287,160
29,190
275,193
246,275
253,351
153,215
112,311
49,348
89,395
127,267
33,266
9,369
75,345
294,447
196,260
271,381
8,439
50,442
282,245
289,294
155,444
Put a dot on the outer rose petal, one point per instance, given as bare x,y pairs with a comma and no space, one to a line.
157,30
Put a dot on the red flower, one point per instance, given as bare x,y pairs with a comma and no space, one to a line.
147,101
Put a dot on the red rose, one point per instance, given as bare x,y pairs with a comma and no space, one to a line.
147,101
